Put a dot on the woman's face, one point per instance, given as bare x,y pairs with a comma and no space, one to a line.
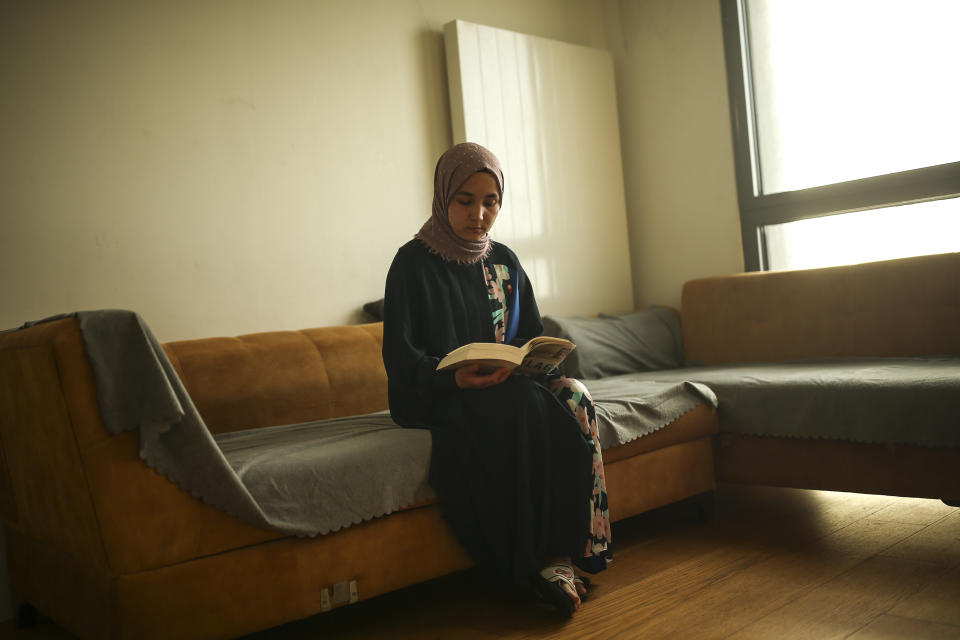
474,207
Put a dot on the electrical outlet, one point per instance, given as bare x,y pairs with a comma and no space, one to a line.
341,592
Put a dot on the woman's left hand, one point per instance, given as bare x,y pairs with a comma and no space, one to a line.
470,377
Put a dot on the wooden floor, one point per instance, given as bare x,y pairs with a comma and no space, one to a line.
774,564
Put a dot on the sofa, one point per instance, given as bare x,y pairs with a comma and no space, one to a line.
844,378
107,547
897,309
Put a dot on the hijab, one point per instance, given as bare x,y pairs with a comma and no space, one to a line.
454,167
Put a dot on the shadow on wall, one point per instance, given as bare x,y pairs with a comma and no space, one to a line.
436,106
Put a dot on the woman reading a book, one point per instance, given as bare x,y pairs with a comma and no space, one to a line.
515,460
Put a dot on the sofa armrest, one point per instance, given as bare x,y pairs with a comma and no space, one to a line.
147,521
67,483
41,402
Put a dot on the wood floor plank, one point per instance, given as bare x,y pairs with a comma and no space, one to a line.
937,602
630,606
938,542
847,603
895,628
752,593
735,602
786,517
861,539
645,546
915,511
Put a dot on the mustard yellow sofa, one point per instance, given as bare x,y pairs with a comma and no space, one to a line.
108,548
895,308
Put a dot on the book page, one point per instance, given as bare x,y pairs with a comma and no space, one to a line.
489,355
545,358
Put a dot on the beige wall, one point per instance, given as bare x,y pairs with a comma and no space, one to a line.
225,167
677,150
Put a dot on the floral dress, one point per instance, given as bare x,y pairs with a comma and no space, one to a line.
574,395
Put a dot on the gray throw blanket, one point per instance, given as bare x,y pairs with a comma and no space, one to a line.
318,477
138,388
914,401
346,470
304,479
630,408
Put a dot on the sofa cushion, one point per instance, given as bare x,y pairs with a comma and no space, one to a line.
609,345
374,309
283,377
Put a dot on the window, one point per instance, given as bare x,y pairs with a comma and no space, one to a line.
846,128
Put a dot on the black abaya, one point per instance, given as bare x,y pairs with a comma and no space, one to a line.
509,463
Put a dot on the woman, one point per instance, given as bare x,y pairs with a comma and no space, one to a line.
515,461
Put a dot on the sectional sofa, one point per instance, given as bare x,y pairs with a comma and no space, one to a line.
109,547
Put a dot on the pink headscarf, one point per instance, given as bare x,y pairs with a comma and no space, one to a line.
454,168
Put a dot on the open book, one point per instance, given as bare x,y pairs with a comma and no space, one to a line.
539,355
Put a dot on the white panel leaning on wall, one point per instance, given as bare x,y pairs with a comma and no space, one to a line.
548,110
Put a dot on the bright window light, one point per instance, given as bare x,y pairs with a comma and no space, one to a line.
865,236
847,89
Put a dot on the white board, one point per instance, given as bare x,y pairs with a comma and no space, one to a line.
548,110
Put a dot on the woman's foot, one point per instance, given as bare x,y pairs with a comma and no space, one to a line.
556,585
582,583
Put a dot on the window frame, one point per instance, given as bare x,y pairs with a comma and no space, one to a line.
758,209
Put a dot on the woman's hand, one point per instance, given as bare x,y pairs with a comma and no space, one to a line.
470,377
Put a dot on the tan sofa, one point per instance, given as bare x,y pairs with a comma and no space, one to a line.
106,547
895,308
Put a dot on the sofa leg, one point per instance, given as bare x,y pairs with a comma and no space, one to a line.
707,506
26,616
952,503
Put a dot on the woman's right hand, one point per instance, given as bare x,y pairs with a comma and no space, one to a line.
470,377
